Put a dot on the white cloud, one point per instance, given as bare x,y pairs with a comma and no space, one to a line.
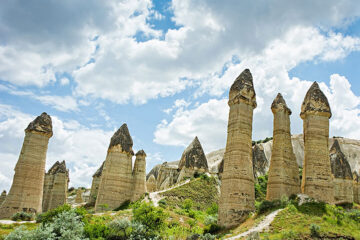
64,81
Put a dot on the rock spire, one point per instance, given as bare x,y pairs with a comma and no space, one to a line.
237,188
26,192
283,171
95,184
194,157
317,181
139,175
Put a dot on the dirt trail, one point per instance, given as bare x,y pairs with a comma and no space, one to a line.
259,228
155,197
8,222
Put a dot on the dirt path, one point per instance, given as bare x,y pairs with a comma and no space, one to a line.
155,197
8,222
260,227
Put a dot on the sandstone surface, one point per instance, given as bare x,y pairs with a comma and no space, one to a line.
116,181
139,175
283,179
317,181
2,197
79,196
151,184
55,186
356,187
237,198
95,184
26,192
259,160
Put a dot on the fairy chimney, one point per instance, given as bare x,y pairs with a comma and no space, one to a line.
237,185
79,196
139,175
2,197
284,171
95,184
116,180
317,181
26,192
151,184
55,186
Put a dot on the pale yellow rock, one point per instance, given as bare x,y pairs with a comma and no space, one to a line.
167,176
317,180
356,187
151,184
139,175
237,198
284,171
55,186
116,181
79,196
2,197
26,192
95,185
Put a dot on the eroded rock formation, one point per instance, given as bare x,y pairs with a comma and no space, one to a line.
95,184
343,179
55,186
79,196
237,188
2,197
26,192
259,161
283,172
168,175
116,180
151,184
317,181
356,187
139,175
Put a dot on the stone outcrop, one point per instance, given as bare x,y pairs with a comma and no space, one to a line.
168,175
55,186
95,184
151,184
193,160
237,188
356,187
284,171
343,179
259,161
79,196
2,197
139,175
116,181
26,192
317,181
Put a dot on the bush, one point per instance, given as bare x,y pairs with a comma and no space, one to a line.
96,230
211,225
314,230
123,206
162,203
119,228
22,216
187,205
213,209
208,236
261,187
49,215
289,235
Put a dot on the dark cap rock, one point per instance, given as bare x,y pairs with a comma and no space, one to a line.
3,193
98,172
140,153
356,177
58,167
340,167
122,137
242,90
193,156
279,104
41,124
315,102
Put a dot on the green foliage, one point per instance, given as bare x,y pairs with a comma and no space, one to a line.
123,206
213,209
187,205
120,228
22,216
162,203
314,230
261,187
96,231
49,215
313,208
151,217
266,205
289,235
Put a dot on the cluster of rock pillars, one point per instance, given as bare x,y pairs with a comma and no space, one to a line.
326,176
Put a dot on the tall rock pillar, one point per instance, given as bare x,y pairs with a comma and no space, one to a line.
139,175
26,192
55,186
237,184
116,181
356,187
2,197
317,181
95,185
284,171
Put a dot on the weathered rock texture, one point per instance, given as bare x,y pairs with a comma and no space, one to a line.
343,181
139,175
26,192
55,186
95,184
259,161
116,180
356,187
79,196
317,181
151,184
237,187
2,197
284,171
168,175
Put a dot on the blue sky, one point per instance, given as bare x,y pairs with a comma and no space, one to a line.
164,68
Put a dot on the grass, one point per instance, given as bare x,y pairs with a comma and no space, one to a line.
5,229
202,191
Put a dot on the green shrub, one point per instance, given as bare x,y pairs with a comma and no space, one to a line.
119,228
208,236
22,216
49,215
213,209
261,187
314,230
162,203
204,176
289,235
187,205
123,206
211,225
96,230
